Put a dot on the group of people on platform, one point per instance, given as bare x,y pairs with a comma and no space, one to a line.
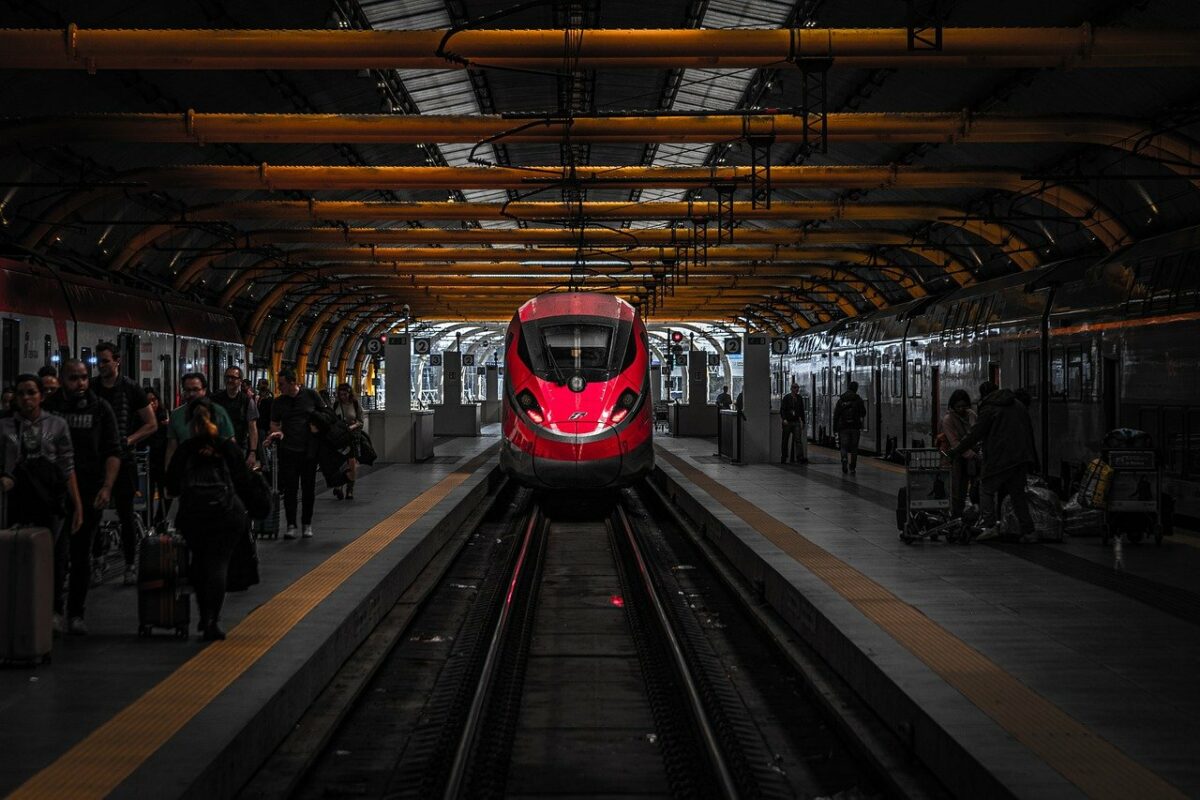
991,453
68,450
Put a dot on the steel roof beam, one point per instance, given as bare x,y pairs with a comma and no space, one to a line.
1004,48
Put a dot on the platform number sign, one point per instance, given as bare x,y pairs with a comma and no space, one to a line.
468,360
435,360
374,346
421,346
714,360
779,346
733,346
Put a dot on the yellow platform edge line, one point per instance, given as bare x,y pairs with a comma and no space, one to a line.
1080,755
98,764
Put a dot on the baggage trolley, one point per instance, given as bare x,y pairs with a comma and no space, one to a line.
924,508
1133,498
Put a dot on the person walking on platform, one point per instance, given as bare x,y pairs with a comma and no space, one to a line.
791,413
848,416
135,424
242,412
96,445
956,424
349,411
1006,433
48,378
193,385
157,445
208,473
37,475
724,399
297,463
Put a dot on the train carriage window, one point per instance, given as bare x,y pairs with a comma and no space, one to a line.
1192,456
1031,369
1088,388
1058,374
1074,373
917,375
897,378
1173,445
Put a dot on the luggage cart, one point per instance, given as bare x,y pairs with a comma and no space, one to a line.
924,508
1133,506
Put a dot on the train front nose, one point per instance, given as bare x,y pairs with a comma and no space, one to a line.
587,455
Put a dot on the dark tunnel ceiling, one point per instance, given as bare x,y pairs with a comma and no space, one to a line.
782,194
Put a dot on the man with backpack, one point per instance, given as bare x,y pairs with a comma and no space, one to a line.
242,412
291,426
96,447
848,416
135,424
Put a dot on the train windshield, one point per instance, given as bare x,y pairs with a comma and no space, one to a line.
561,348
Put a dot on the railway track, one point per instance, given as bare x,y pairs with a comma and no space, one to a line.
570,650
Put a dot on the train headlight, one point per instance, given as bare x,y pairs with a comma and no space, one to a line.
576,383
624,403
529,405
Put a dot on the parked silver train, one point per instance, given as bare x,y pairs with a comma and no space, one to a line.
1096,343
48,317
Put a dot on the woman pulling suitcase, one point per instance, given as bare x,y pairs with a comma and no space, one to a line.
214,486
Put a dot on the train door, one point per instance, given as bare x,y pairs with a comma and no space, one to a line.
812,406
994,373
877,381
935,400
1112,392
129,350
10,352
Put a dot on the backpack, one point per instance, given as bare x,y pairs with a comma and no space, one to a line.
207,489
844,415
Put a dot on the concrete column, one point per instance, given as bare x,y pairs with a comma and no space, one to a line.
756,398
452,380
492,383
453,417
697,378
391,429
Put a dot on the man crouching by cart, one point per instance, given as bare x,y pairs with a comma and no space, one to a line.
1006,433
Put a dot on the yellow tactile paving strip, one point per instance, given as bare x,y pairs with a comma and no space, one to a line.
97,765
1098,768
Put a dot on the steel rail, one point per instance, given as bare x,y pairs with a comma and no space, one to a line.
103,49
457,775
700,717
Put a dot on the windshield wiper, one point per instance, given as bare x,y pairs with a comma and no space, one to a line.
559,378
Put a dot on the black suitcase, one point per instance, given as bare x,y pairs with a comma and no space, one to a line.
26,595
163,598
268,526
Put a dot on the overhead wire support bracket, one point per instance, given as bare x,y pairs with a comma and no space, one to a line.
924,28
813,110
725,221
760,170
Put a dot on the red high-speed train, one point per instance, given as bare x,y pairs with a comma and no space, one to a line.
577,406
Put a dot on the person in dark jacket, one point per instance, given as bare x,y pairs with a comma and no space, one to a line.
97,450
204,474
291,414
135,424
791,414
956,424
1006,433
848,416
724,399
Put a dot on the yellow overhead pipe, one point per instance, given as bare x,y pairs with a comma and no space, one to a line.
93,49
320,210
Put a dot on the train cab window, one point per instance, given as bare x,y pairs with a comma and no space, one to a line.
570,347
1031,372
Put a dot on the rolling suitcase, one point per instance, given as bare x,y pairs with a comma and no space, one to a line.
163,599
268,526
26,595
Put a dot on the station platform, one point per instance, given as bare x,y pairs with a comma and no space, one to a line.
116,715
1028,670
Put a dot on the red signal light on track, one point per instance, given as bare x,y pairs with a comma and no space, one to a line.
617,601
676,336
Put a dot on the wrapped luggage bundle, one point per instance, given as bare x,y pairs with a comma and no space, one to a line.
1044,507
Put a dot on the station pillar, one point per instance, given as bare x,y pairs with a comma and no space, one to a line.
453,417
756,398
697,378
391,429
491,395
656,379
